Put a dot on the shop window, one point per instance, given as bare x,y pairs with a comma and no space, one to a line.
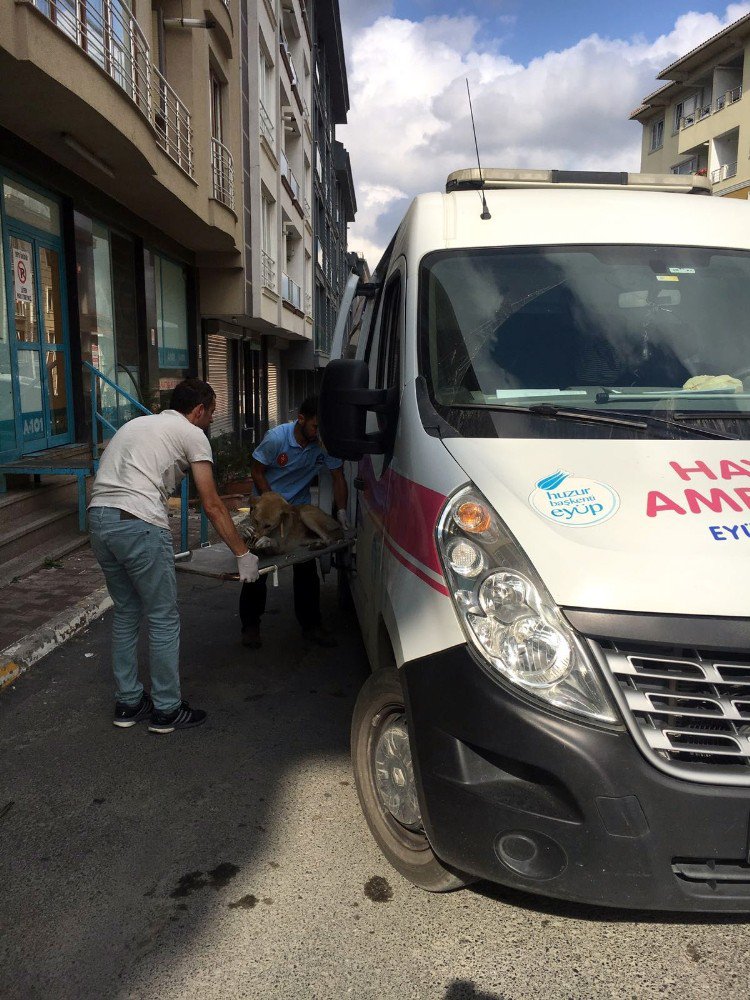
7,425
171,313
30,207
105,264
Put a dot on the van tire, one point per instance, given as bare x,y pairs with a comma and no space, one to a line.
408,850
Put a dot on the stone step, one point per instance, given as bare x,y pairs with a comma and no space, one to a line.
54,492
36,528
34,558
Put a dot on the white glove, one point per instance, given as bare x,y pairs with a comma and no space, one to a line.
264,542
247,567
341,518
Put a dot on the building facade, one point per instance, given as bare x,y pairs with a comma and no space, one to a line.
121,241
156,210
699,121
333,200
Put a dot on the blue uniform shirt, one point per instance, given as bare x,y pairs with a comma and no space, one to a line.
291,468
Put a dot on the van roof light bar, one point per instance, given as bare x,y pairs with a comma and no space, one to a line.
495,178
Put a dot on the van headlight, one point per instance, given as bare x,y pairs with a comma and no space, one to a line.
508,615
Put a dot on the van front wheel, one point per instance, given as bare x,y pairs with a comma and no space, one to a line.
384,775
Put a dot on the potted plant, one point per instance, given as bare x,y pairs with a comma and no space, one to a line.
232,465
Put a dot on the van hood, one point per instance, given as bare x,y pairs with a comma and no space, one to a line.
644,526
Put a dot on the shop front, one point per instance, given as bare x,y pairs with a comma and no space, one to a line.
84,286
35,371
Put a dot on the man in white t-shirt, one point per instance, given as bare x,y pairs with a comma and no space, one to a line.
142,465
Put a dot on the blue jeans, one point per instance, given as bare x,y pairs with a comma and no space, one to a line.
138,564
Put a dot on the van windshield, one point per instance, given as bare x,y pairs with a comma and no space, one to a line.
641,328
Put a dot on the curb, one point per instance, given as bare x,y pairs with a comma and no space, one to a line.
19,656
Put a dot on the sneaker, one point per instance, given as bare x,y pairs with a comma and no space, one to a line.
320,636
129,715
183,717
251,637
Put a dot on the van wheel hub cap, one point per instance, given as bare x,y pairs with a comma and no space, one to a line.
394,773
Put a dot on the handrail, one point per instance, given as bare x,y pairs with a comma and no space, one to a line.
98,417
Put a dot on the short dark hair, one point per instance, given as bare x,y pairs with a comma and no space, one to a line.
308,408
189,393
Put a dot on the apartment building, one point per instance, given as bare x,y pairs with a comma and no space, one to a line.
334,203
699,121
122,248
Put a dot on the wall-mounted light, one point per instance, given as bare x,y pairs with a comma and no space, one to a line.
86,154
189,22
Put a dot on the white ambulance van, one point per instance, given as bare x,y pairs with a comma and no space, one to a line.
548,399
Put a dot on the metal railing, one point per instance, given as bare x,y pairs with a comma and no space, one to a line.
696,116
108,33
266,124
222,173
171,119
290,291
730,97
724,172
288,174
268,270
287,54
98,381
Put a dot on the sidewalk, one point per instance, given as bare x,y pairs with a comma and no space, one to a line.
44,609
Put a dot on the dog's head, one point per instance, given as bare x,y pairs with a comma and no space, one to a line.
270,512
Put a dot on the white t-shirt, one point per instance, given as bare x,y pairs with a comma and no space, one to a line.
145,462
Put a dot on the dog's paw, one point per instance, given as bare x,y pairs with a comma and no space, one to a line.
264,542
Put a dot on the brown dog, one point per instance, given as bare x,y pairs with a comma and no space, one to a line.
275,527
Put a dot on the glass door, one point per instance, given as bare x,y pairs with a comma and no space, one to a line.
40,343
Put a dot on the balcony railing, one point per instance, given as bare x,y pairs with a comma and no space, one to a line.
291,291
222,173
288,174
266,124
268,270
109,35
697,116
287,54
171,119
724,172
730,97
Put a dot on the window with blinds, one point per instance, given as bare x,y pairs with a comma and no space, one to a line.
220,366
273,394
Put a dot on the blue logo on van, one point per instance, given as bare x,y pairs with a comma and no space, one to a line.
573,500
553,481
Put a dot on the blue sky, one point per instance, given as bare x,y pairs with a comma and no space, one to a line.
552,85
528,29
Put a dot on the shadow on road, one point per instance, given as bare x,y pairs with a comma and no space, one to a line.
117,843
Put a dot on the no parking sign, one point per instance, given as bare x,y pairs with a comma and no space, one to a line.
22,275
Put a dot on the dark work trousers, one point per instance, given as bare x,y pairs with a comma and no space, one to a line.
306,597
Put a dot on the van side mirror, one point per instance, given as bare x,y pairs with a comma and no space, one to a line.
345,398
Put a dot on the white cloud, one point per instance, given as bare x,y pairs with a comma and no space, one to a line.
409,123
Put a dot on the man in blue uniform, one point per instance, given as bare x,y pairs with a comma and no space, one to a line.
286,461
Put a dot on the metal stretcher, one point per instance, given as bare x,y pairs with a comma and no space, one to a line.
218,562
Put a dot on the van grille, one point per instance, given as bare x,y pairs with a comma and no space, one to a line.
691,711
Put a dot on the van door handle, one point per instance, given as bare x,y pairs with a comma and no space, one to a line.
358,483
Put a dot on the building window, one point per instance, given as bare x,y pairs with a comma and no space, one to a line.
657,135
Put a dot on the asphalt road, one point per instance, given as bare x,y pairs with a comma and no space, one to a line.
233,861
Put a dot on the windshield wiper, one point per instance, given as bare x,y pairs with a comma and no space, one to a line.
616,418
